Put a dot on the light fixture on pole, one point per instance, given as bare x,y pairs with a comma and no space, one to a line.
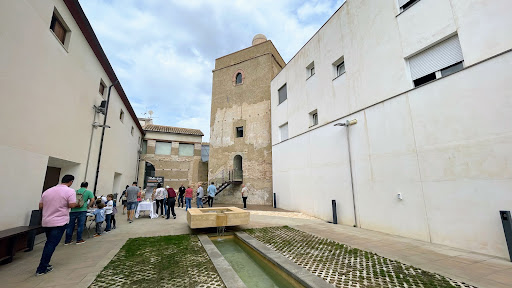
347,124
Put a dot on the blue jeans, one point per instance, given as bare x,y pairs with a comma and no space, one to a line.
79,217
53,236
188,202
199,202
107,218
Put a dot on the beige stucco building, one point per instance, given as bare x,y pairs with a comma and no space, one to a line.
430,156
172,153
240,145
53,71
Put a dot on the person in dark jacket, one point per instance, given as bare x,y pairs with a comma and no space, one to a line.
171,201
181,190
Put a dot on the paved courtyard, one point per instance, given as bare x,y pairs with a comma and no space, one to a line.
78,265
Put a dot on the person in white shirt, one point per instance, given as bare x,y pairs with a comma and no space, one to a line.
245,193
200,195
159,197
109,206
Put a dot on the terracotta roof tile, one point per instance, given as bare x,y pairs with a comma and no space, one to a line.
170,129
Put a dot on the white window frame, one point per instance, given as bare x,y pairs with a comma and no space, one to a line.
313,118
281,129
310,70
336,64
279,93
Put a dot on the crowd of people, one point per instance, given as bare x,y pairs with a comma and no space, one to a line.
63,208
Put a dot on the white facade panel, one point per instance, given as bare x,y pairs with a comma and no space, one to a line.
444,146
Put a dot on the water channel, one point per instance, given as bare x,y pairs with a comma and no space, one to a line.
254,270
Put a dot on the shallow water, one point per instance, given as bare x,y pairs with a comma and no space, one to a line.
253,271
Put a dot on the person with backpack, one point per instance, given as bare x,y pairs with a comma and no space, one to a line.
79,214
123,198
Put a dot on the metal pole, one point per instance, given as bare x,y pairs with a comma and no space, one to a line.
351,177
102,136
275,206
90,144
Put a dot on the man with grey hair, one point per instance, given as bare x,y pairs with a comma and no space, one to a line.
245,193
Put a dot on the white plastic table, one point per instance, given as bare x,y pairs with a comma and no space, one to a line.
146,206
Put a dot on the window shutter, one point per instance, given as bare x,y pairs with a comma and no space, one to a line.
436,58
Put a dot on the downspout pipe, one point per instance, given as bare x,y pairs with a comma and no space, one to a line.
102,136
347,124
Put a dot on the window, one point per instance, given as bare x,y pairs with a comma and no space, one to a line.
144,147
310,70
239,132
238,78
186,149
121,115
282,94
163,148
313,118
283,132
132,130
440,60
339,67
102,88
406,4
58,27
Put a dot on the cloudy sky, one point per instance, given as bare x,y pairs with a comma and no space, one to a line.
163,51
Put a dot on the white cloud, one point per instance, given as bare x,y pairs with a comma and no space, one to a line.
164,51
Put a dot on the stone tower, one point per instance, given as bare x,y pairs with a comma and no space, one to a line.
240,136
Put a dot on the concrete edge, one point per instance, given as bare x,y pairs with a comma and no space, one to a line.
299,273
226,272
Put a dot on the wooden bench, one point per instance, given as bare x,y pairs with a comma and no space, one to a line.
16,239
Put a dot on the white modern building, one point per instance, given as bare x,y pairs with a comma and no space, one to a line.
52,72
428,82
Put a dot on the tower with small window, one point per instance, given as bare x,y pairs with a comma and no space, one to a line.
240,136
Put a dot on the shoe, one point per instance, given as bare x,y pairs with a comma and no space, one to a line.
67,243
114,227
80,242
167,218
48,270
174,217
130,221
97,235
106,231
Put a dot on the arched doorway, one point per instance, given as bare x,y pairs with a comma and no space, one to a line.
149,170
237,169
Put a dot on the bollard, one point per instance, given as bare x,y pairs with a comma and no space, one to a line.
507,228
275,206
334,213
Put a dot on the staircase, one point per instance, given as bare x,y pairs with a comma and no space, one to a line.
234,176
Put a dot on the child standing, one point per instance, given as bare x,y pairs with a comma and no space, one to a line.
99,217
114,212
108,212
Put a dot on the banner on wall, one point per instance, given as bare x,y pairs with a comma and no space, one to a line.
152,181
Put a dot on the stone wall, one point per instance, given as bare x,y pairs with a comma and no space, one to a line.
244,105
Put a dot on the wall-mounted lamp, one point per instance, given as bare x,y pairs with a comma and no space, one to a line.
347,123
96,125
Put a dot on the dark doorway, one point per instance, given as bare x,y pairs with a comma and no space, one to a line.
52,177
237,169
149,171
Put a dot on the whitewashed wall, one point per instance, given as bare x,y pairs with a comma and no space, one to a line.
445,146
47,98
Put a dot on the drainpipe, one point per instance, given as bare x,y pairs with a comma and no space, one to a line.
102,136
347,124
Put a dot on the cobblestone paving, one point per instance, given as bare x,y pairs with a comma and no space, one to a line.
343,266
160,262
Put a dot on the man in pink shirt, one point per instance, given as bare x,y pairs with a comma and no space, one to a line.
55,203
